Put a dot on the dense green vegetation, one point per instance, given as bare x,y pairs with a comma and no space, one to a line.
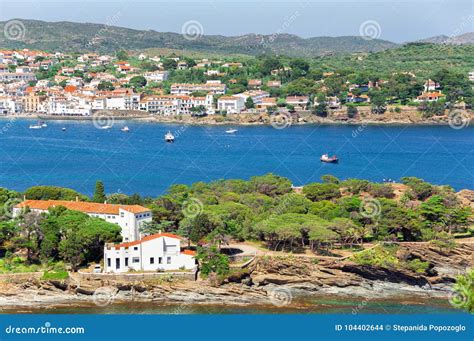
463,297
323,216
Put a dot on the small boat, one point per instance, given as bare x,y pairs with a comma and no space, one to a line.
125,129
328,159
169,137
231,131
106,127
36,126
64,129
43,124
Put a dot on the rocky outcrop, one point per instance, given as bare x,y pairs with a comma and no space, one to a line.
303,275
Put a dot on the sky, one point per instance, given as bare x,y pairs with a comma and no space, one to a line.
394,20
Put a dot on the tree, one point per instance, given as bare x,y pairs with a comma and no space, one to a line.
317,191
378,101
137,82
152,228
99,193
419,189
270,184
249,103
105,86
53,193
329,179
122,55
352,111
212,261
169,64
464,292
321,108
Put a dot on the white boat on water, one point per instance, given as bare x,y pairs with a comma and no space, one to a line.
64,129
169,137
36,126
43,124
125,129
231,131
106,127
329,159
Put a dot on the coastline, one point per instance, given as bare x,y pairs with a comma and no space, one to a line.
404,118
271,281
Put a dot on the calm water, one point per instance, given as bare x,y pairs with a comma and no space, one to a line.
302,305
140,161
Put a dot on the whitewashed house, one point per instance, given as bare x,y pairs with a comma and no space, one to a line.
157,252
156,76
231,104
129,217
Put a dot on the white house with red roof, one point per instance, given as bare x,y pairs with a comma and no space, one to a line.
157,252
129,217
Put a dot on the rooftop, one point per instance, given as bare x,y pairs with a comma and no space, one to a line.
82,206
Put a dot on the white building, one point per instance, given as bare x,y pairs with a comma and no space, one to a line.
129,217
257,95
168,105
157,252
214,87
231,104
156,76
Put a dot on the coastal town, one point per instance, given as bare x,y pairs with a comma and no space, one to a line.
81,85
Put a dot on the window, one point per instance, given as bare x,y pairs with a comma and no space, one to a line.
117,263
126,261
135,260
160,260
152,260
168,260
135,248
109,262
121,214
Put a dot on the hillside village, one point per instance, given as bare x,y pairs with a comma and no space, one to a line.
79,85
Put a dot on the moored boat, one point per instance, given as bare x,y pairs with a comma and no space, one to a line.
231,131
169,137
125,129
329,159
36,126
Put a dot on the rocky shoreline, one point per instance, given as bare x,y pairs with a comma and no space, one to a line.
408,116
269,280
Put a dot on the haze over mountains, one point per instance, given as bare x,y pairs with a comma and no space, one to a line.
71,37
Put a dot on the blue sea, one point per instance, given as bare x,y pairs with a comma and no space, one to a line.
141,162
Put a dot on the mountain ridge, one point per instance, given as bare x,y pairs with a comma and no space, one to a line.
81,37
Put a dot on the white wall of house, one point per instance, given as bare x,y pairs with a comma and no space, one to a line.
158,254
129,222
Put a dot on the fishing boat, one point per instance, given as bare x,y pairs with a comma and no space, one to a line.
169,137
125,129
329,159
231,131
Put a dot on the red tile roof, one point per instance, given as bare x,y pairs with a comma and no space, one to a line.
147,238
86,207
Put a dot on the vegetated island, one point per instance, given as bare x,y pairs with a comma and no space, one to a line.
255,238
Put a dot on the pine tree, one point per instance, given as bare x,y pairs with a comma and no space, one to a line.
99,193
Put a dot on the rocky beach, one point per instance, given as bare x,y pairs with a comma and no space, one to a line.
269,280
